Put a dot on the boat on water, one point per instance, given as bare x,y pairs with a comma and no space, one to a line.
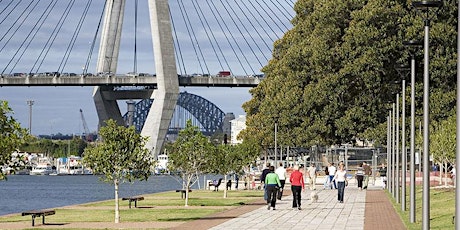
72,165
42,169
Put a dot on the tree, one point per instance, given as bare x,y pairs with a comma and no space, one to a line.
120,157
331,79
189,155
12,136
443,144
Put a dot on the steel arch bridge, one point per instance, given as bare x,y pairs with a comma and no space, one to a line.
202,112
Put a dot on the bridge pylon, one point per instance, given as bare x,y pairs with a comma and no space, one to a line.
167,91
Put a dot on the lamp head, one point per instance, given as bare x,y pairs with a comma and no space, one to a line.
425,5
413,43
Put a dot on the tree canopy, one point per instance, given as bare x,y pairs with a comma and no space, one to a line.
120,157
332,77
12,136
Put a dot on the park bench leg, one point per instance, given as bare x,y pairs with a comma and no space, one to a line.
43,219
129,203
135,203
33,220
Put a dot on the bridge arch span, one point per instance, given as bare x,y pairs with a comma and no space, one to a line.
202,112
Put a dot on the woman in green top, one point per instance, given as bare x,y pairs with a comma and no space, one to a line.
272,181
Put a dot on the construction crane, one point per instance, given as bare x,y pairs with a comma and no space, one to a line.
86,134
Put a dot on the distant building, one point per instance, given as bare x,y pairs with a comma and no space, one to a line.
226,126
237,125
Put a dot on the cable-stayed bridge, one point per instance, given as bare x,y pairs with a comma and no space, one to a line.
195,43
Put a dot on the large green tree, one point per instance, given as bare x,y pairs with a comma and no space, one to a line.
332,77
12,136
120,157
189,155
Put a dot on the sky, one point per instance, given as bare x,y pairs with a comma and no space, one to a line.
242,45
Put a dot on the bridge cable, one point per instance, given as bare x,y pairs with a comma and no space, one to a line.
20,24
135,36
9,13
189,33
93,43
200,14
284,12
215,40
74,37
253,26
196,39
30,37
225,34
244,38
260,25
52,36
273,13
177,51
253,40
12,35
263,19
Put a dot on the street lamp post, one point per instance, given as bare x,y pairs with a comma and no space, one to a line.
393,152
424,7
413,45
276,146
30,103
403,69
457,154
397,178
389,147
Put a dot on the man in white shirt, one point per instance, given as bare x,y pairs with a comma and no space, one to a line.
332,170
281,172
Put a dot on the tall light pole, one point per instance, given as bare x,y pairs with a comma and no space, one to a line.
389,149
457,154
393,152
276,146
403,69
413,45
424,7
397,179
30,103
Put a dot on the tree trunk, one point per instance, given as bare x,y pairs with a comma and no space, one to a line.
225,181
440,173
445,174
117,206
186,186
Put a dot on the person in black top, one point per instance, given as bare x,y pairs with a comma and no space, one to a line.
262,179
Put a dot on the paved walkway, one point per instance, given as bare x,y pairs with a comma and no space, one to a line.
362,210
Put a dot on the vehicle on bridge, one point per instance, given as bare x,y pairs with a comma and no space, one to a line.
224,74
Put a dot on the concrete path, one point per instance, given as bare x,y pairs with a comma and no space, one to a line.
326,213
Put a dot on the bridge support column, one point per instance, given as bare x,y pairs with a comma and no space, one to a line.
165,97
107,60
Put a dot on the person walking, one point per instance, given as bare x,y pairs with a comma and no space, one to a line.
360,175
326,179
383,175
332,170
367,173
341,178
312,173
281,172
297,186
262,179
272,183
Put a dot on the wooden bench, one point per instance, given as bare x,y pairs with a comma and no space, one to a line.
182,192
131,199
38,213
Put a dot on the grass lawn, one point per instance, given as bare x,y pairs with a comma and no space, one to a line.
166,206
442,208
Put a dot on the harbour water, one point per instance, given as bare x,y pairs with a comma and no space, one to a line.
23,192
